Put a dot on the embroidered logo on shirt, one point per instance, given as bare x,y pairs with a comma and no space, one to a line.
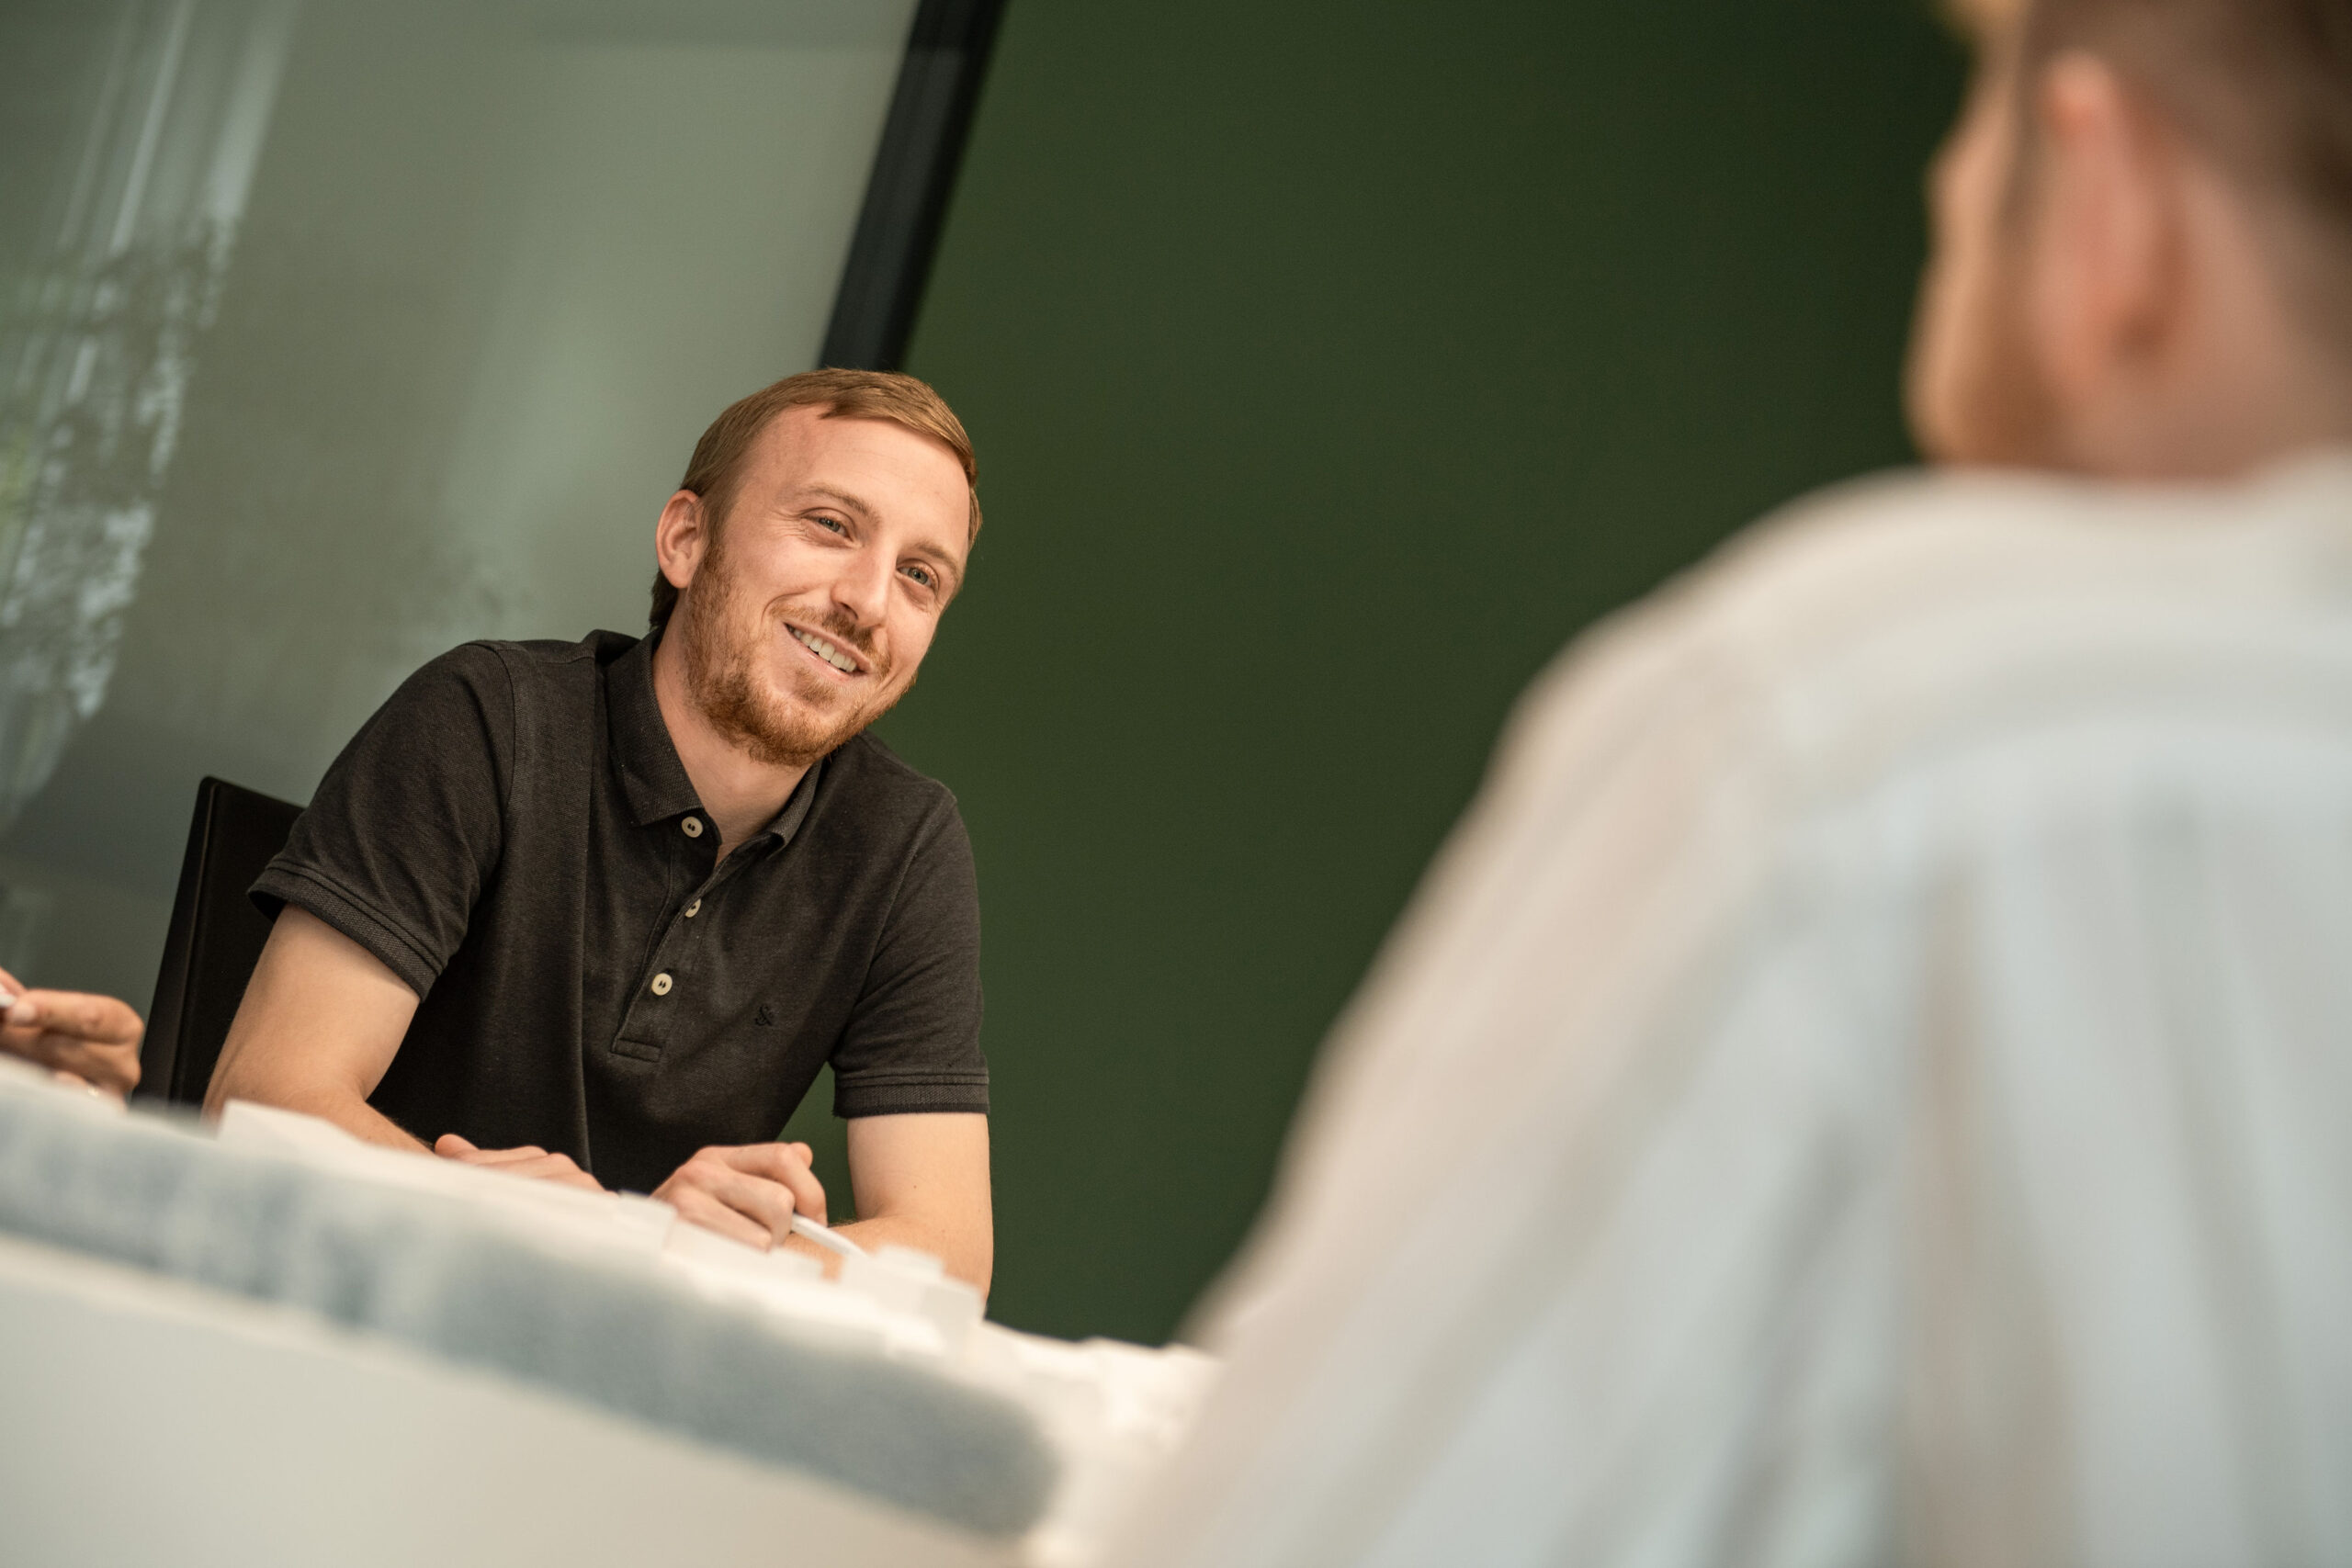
764,1017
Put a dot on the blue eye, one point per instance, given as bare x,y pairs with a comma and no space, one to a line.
922,574
824,522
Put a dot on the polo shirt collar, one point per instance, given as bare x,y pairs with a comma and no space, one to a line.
786,822
653,777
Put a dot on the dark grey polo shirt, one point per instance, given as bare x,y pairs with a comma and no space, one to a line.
514,836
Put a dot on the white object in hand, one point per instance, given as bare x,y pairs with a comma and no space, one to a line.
826,1236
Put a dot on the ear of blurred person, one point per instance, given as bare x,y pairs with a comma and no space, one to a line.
86,1040
1868,1079
2131,279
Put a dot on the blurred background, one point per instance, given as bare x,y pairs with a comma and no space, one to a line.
1330,366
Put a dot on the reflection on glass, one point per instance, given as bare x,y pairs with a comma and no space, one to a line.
333,334
146,186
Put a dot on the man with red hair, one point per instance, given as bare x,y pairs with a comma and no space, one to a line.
599,912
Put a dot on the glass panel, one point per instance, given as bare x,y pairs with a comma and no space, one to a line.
333,334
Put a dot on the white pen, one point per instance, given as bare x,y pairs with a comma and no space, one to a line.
826,1236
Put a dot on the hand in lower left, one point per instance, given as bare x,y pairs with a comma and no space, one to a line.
529,1161
86,1040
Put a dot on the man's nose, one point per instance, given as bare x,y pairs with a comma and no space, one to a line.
864,587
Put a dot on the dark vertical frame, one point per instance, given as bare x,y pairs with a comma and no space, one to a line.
914,173
215,939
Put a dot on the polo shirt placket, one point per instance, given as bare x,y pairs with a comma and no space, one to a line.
666,979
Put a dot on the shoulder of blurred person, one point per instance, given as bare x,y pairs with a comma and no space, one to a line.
1873,609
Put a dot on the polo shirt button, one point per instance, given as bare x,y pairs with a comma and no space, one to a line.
692,826
662,984
693,909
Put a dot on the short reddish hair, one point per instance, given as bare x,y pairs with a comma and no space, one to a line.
2265,84
716,466
2264,87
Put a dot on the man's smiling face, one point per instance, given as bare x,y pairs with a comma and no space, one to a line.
810,607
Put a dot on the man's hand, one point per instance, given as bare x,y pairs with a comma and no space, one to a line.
748,1194
529,1161
85,1039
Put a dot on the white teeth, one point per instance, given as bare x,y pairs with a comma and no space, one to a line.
826,651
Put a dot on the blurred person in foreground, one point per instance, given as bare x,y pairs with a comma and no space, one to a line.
1870,1079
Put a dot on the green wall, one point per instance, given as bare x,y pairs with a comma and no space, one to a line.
1330,365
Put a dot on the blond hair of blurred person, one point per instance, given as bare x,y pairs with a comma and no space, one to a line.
1870,1079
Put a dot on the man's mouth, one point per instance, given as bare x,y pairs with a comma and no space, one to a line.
830,652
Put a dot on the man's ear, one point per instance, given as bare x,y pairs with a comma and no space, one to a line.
2108,242
680,539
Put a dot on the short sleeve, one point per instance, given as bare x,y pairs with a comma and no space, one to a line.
913,1039
406,828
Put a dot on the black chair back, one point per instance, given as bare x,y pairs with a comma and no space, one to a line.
216,938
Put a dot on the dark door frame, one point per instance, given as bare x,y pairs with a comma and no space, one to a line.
914,174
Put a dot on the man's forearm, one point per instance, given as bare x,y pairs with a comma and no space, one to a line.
964,1260
968,1258
921,1179
345,1110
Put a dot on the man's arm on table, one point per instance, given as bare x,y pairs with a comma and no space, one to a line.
921,1180
322,1020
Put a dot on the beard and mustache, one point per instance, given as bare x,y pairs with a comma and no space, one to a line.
725,641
